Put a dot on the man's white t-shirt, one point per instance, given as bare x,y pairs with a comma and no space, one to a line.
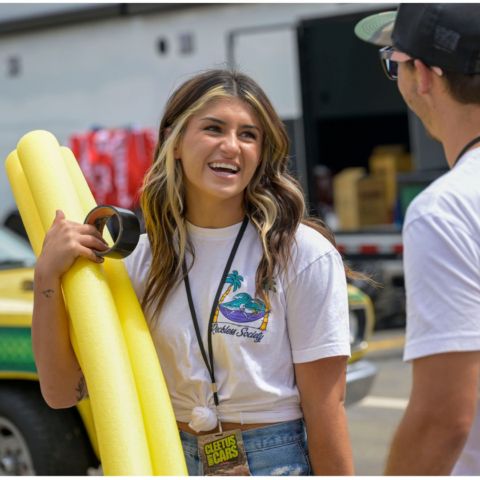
441,238
255,344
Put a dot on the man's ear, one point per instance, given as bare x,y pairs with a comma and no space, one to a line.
424,77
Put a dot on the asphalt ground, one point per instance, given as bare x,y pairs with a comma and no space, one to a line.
373,421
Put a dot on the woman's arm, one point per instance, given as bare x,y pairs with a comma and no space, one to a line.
321,384
61,379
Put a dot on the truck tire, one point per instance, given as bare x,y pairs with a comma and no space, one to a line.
37,440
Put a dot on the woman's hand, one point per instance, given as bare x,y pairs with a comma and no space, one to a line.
64,242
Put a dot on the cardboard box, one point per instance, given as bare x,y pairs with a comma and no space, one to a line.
372,205
345,197
386,162
359,200
403,161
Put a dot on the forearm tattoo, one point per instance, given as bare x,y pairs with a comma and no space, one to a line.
81,388
48,293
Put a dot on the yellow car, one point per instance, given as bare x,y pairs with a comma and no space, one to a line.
37,440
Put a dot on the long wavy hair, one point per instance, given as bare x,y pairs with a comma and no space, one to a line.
273,200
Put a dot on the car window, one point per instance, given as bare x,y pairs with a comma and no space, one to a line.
14,250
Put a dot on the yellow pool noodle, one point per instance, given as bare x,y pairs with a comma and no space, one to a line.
25,204
162,432
103,351
35,231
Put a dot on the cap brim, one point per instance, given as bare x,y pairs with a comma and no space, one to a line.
376,29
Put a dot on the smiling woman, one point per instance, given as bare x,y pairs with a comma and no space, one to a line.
245,294
219,153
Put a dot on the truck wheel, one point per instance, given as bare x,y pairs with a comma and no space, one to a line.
37,440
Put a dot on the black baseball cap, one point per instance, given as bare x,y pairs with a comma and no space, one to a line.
445,35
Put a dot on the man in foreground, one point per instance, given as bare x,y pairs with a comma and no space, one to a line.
433,51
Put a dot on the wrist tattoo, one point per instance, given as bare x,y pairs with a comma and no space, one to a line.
81,389
48,293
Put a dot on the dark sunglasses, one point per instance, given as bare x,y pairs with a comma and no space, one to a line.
390,58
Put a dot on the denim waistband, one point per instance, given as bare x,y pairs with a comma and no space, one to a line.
259,438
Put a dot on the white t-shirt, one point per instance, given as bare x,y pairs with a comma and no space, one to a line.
307,319
441,239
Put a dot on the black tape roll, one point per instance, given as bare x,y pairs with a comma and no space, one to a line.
128,229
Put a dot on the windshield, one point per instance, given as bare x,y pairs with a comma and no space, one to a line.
14,250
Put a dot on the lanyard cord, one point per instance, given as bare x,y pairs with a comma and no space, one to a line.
209,360
465,148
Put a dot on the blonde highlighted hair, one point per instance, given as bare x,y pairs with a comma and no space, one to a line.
273,201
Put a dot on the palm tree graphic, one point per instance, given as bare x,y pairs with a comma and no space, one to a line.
234,281
264,324
273,288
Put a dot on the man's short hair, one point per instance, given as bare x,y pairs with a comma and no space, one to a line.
463,88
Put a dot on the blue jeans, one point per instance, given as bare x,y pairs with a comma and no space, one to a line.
280,449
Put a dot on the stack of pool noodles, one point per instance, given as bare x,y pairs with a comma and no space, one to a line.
133,417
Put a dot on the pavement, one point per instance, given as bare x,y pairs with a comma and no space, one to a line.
374,420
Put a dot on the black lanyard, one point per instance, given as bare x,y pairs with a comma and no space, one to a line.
209,360
465,148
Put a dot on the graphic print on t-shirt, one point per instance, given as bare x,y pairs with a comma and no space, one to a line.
241,310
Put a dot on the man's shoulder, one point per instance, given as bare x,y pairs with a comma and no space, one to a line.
452,196
426,202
